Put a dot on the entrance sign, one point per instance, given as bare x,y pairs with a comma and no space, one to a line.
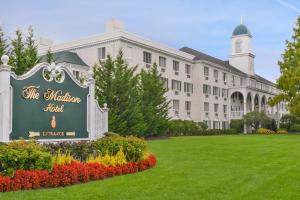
48,103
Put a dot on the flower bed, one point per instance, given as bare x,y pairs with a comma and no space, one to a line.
70,174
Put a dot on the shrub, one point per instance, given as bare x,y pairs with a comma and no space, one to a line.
264,131
133,147
281,131
73,173
295,128
78,150
24,156
62,158
237,124
108,160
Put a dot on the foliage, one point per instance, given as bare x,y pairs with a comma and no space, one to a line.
23,53
108,160
237,124
256,119
281,131
49,56
78,150
69,174
154,103
289,80
3,45
62,158
133,147
202,125
23,155
295,128
287,120
264,131
273,125
117,85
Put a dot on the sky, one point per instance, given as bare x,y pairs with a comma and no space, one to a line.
205,25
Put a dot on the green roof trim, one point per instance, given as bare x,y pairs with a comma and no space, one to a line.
66,56
241,30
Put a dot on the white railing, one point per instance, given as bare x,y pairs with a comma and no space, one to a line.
236,114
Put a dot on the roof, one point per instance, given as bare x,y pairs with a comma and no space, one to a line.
68,57
241,30
261,79
202,56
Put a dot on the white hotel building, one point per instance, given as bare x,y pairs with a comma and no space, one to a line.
201,88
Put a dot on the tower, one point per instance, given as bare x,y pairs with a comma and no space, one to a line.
241,50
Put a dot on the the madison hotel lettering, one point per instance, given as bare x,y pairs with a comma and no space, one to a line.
48,103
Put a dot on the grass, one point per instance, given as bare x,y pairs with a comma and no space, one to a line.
213,167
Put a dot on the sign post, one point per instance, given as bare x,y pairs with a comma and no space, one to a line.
49,104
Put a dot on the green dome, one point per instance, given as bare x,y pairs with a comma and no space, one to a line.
241,30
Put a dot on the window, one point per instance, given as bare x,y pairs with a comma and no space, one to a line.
224,93
224,124
216,91
188,68
188,87
225,109
224,77
238,46
252,83
206,107
175,65
241,81
233,80
147,57
76,74
215,124
102,53
162,61
208,123
165,82
176,85
216,74
206,89
216,107
176,104
206,71
188,106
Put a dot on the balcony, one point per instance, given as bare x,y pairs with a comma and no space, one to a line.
236,114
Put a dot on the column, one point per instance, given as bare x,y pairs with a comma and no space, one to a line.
5,100
245,112
92,107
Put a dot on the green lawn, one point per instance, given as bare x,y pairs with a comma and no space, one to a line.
212,167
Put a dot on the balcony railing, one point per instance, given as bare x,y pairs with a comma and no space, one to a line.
236,114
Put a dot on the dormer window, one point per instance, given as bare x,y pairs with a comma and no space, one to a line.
238,46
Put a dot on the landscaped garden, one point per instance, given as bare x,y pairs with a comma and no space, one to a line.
197,167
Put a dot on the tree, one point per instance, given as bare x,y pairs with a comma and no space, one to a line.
3,44
256,119
23,54
31,57
154,104
116,85
289,81
17,59
49,56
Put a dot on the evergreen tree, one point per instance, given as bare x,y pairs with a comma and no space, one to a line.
116,85
23,54
289,81
31,57
3,44
18,57
49,56
154,103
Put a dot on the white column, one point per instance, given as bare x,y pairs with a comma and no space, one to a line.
92,107
5,100
105,118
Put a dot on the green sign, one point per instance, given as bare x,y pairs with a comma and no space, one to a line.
48,105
